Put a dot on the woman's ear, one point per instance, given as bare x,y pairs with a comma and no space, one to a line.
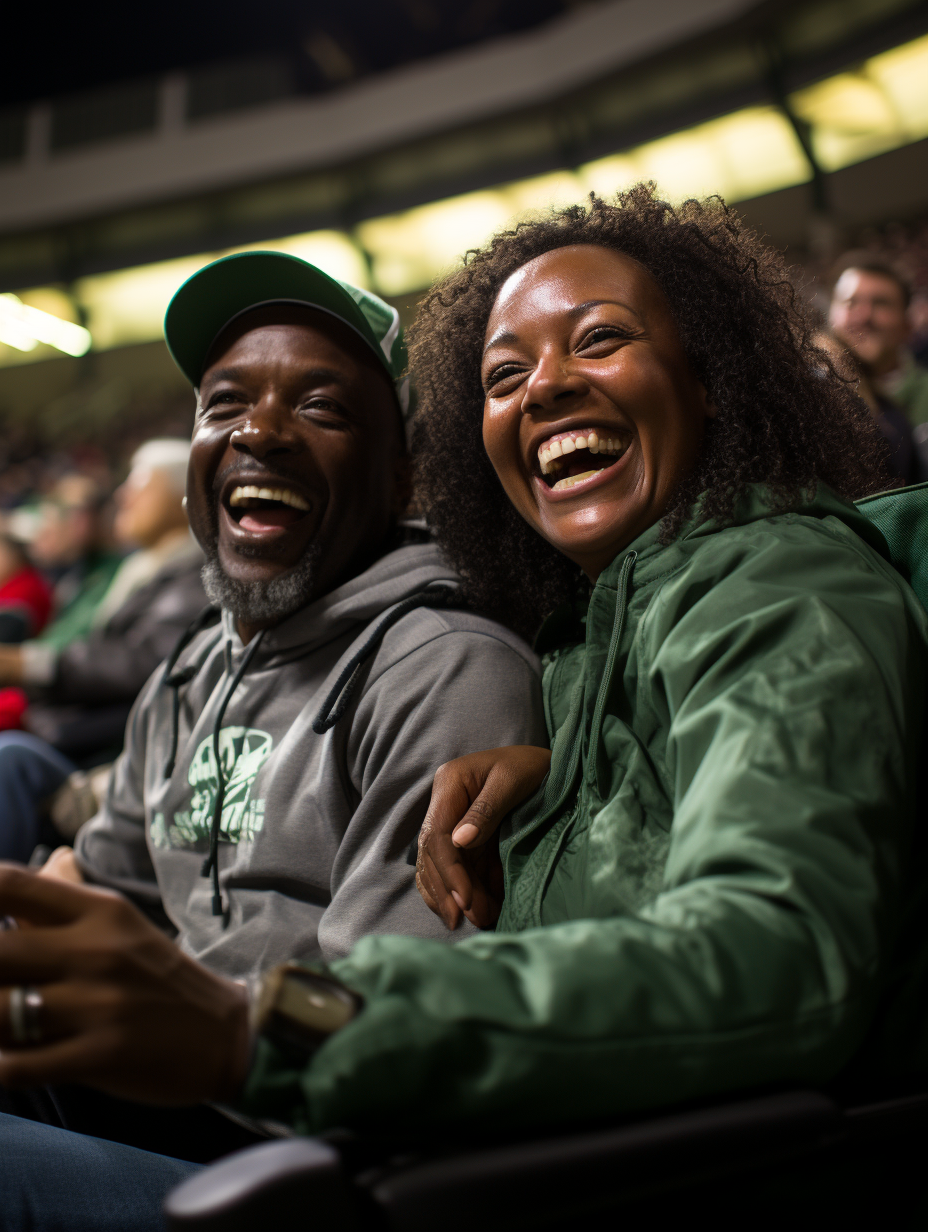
710,410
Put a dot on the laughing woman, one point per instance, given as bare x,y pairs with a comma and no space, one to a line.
624,428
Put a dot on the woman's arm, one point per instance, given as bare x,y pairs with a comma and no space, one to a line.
458,871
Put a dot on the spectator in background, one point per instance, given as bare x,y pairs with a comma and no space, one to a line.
904,458
67,541
25,597
150,517
918,317
869,313
69,545
79,697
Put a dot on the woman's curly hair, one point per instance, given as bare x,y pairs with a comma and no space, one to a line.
784,418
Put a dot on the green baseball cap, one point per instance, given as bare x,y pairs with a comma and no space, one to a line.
218,293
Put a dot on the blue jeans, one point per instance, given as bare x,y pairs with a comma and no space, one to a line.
58,1181
30,771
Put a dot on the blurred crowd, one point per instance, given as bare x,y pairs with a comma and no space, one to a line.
96,584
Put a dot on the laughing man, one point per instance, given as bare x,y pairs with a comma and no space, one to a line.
278,767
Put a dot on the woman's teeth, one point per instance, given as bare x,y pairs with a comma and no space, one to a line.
571,480
242,495
552,451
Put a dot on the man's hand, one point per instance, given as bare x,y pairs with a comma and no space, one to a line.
458,871
11,665
122,1008
62,866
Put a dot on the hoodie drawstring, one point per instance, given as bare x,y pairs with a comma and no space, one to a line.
343,690
177,679
334,706
211,863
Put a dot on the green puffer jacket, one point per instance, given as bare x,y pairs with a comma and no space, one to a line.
710,891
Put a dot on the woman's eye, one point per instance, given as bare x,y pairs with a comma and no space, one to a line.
604,333
502,374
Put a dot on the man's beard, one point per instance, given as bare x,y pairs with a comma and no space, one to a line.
260,603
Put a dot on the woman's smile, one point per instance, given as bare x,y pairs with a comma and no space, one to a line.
572,459
593,415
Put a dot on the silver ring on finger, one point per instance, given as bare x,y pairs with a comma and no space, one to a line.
25,1007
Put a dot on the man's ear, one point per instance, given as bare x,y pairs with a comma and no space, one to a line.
402,484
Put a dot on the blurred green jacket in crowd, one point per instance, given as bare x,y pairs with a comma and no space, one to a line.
75,619
908,388
714,889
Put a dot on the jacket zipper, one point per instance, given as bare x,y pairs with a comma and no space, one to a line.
557,789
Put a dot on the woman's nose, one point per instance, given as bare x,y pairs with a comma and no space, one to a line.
553,380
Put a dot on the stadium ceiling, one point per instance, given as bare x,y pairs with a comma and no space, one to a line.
315,46
433,100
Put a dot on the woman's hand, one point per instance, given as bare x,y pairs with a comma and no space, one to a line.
122,1009
458,871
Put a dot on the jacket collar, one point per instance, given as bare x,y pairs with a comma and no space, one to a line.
655,560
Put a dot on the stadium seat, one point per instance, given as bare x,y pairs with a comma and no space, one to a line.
795,1156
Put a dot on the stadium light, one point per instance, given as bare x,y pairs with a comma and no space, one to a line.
737,156
24,327
879,107
128,306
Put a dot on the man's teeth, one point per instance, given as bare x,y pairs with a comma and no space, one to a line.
241,496
571,480
552,450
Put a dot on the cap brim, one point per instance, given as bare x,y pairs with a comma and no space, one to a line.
216,294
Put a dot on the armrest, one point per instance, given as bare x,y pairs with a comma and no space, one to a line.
287,1185
554,1181
302,1182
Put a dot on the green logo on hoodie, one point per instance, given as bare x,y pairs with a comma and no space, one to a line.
242,753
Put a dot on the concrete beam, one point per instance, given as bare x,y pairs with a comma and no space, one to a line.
180,159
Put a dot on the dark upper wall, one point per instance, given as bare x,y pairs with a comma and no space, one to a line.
238,53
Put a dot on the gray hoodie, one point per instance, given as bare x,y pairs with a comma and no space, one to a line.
316,824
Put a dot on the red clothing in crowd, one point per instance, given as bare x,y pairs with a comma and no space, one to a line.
13,703
29,595
26,600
